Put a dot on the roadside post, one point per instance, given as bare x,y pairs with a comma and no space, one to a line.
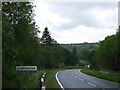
43,87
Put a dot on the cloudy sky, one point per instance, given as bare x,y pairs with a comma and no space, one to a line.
77,22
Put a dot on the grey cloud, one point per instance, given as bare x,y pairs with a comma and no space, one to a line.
77,13
119,13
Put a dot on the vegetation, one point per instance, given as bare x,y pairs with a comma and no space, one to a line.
104,55
84,52
51,81
34,78
81,46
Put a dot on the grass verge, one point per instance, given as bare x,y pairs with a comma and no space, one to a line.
107,76
33,80
51,81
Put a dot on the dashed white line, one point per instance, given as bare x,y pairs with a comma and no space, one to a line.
91,84
81,79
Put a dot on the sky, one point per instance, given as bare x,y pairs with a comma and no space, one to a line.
77,22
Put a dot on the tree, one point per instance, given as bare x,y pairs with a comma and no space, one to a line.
74,56
92,59
68,57
18,35
46,38
84,54
106,55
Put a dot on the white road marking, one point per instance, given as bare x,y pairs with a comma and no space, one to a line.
91,84
59,81
81,79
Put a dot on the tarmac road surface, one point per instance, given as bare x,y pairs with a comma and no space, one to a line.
74,79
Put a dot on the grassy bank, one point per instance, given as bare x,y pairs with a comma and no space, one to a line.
107,76
51,81
33,80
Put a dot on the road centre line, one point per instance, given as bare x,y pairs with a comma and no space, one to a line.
81,79
91,84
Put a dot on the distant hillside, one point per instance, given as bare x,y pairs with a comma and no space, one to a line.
81,46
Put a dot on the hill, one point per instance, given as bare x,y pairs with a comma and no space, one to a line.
81,46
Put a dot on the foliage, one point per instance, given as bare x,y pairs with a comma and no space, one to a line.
46,38
51,82
81,46
72,67
106,55
74,56
84,52
34,78
18,31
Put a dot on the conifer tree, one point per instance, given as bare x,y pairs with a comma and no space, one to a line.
46,38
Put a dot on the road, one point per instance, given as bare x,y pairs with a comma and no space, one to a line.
74,79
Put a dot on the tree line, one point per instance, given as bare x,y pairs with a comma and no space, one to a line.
108,53
106,56
103,55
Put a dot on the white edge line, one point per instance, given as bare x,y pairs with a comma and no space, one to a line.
91,84
98,78
58,81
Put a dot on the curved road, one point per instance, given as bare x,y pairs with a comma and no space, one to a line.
74,79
